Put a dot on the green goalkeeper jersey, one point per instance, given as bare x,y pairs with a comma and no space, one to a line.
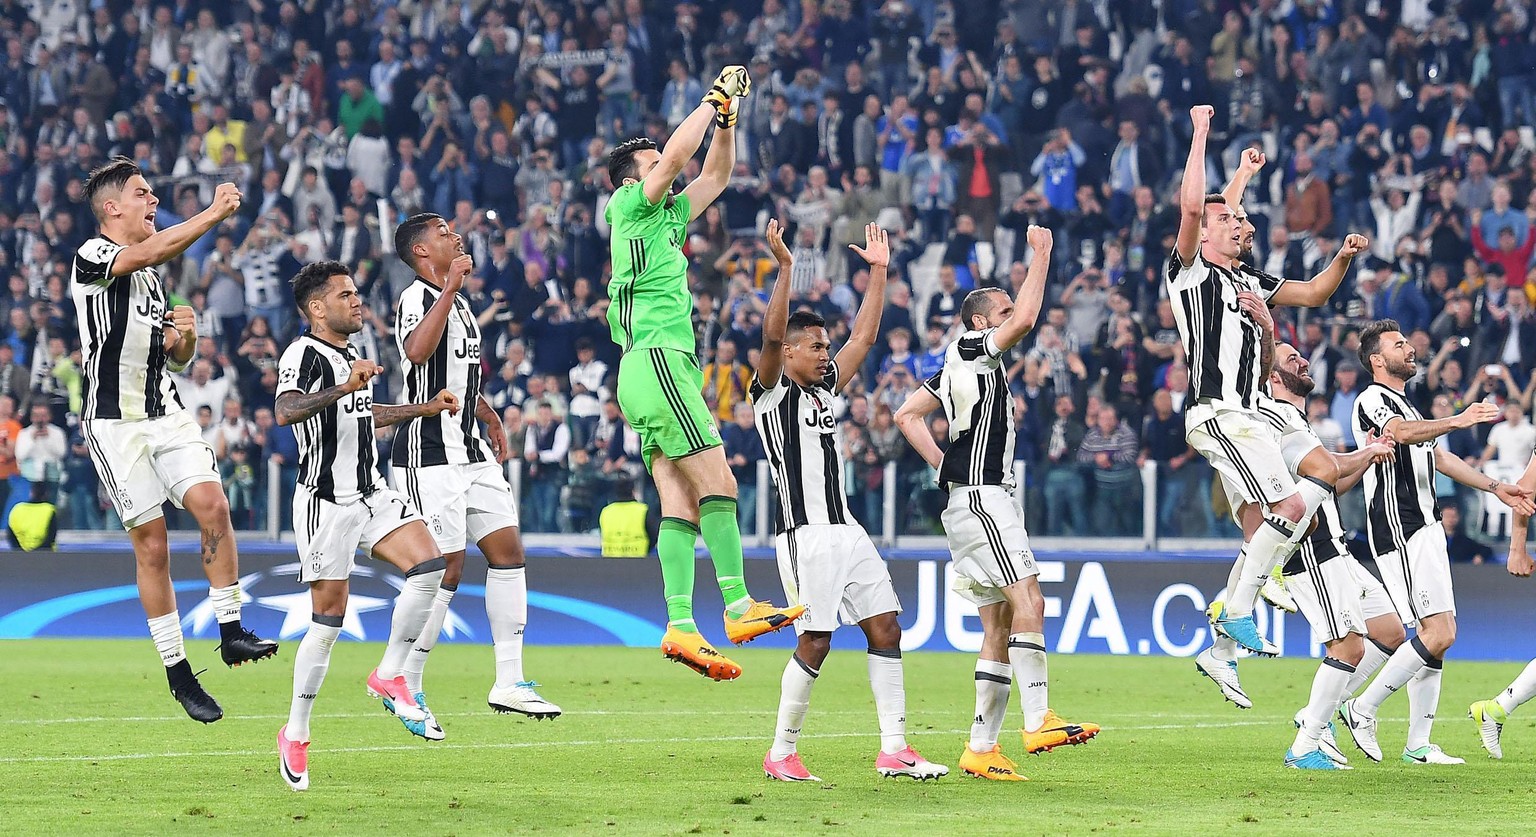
650,306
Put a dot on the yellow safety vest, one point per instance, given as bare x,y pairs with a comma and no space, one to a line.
623,528
29,523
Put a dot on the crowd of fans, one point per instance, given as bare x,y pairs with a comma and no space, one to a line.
955,125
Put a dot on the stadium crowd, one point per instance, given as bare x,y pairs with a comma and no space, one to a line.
955,125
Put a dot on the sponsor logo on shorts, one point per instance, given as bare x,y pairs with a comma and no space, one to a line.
1026,559
1424,599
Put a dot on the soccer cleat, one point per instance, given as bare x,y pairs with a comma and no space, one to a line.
990,765
1327,742
908,763
1241,630
1315,760
1224,674
293,760
246,648
787,769
427,727
523,700
1056,732
1275,593
1490,718
199,704
1430,754
1362,728
396,696
691,650
760,618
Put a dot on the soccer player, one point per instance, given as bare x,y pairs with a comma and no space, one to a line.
826,559
660,385
341,504
1214,305
1491,714
988,545
146,448
1406,537
451,468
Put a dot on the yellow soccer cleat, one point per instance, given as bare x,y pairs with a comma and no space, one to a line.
691,650
1055,732
990,765
760,618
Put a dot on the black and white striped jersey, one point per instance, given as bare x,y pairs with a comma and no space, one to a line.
442,439
974,391
337,453
1400,492
1327,541
1220,341
122,336
799,432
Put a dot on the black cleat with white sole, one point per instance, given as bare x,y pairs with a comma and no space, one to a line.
246,647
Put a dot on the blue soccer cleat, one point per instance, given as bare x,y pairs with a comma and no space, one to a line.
1315,760
1241,630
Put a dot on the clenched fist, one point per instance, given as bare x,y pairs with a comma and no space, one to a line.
362,372
1253,160
1200,116
1354,245
184,320
226,200
1038,238
458,271
445,401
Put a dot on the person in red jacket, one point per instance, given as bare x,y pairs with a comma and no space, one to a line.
1507,255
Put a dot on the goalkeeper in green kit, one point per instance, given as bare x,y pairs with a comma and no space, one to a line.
660,384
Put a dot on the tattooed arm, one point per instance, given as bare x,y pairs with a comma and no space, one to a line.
385,415
293,407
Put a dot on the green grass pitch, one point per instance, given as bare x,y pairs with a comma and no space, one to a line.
94,744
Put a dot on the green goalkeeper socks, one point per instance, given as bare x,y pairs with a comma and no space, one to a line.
674,546
722,535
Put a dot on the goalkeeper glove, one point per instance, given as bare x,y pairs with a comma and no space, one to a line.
733,81
726,117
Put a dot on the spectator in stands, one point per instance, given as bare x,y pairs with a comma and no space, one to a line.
546,447
1461,548
1109,451
935,185
40,450
1066,495
743,450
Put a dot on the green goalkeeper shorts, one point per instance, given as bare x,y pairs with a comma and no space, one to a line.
661,392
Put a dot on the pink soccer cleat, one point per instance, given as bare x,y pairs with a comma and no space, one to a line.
787,769
293,760
908,763
396,696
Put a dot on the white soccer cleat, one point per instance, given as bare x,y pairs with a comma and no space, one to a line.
523,700
1327,742
1430,754
908,763
1275,593
1490,718
1362,728
1224,674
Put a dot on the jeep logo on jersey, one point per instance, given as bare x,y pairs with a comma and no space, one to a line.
360,402
468,349
151,308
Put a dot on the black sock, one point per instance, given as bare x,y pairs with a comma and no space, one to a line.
179,673
230,630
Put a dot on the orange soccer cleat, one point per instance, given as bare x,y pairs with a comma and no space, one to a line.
760,618
693,651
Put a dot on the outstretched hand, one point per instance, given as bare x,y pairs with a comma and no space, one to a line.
776,243
876,250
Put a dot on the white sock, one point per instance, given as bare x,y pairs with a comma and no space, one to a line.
794,700
1327,693
226,603
1405,662
993,682
1423,700
309,666
1223,648
1520,691
1374,656
1313,494
412,608
1026,654
506,606
416,660
885,680
166,633
1262,552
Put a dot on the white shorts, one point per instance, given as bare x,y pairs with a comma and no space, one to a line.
330,534
836,572
144,462
461,503
1338,598
987,542
1294,447
1419,577
1246,450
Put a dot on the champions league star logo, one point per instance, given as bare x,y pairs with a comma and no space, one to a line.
371,590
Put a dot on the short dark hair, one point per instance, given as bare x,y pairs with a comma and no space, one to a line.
584,344
1370,339
621,160
1213,198
977,303
410,232
802,320
110,178
312,279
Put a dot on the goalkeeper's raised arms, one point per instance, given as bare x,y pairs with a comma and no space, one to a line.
732,82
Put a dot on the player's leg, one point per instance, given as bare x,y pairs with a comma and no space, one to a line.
1491,714
1439,633
1219,662
1043,729
438,493
328,603
983,756
888,683
675,548
408,545
782,761
1384,631
152,570
1329,598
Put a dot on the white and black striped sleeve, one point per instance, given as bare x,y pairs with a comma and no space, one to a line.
757,389
413,307
1268,285
298,370
829,380
1183,276
975,344
1372,413
93,262
933,383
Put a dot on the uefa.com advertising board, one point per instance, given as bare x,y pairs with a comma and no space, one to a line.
1095,603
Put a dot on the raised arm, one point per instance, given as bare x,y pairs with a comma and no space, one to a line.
733,81
1250,164
1320,289
1192,190
169,243
912,419
1026,307
866,325
771,362
423,339
294,407
721,157
385,415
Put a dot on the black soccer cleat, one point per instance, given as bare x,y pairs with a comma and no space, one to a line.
246,648
199,704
